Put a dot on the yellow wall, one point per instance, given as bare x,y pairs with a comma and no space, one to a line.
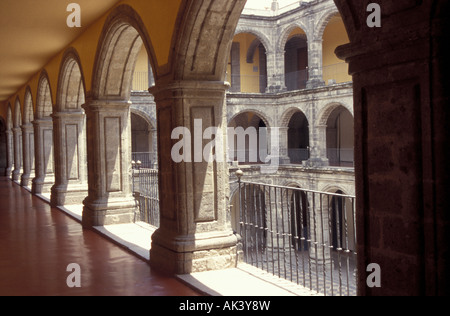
140,78
159,18
249,78
335,35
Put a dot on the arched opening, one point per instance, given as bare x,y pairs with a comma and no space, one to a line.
18,149
110,196
334,35
70,143
143,73
9,141
43,136
342,222
143,139
298,138
296,60
300,220
248,139
247,65
28,141
340,138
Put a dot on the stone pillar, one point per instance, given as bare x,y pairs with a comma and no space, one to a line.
275,72
402,138
10,152
318,147
70,159
28,154
44,168
195,234
17,135
319,231
284,145
315,64
108,130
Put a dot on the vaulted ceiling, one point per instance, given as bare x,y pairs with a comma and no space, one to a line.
32,32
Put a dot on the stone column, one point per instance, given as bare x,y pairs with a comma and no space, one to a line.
70,159
17,135
275,72
28,154
319,231
194,234
284,146
44,169
315,64
10,153
318,145
108,130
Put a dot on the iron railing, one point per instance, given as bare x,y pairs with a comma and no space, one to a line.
148,160
304,236
298,155
146,192
341,157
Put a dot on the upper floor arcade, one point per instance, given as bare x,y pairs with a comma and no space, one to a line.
288,51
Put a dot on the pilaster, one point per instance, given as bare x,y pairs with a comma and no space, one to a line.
17,135
70,159
110,198
44,165
28,154
195,234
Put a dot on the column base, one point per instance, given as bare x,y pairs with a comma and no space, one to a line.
26,180
113,212
316,162
191,254
315,83
40,186
16,175
64,195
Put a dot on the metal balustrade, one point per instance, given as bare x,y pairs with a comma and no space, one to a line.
146,192
304,236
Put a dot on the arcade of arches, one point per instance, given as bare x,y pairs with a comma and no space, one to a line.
81,105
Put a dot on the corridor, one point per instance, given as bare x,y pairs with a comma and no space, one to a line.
37,243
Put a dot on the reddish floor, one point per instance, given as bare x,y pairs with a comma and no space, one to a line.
37,243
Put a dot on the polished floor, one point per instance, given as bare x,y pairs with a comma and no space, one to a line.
38,243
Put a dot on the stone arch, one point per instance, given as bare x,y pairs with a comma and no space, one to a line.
204,42
259,113
44,106
287,115
326,111
323,22
263,39
298,135
28,140
283,39
150,120
70,169
17,114
28,112
144,142
339,135
122,37
9,118
71,84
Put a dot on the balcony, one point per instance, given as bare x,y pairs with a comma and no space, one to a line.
303,236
